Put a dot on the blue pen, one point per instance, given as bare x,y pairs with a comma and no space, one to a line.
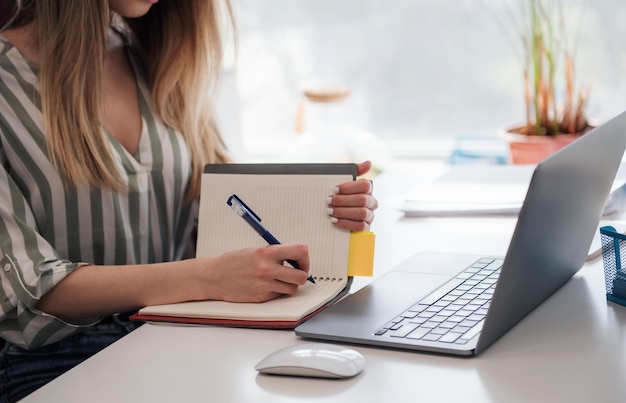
254,220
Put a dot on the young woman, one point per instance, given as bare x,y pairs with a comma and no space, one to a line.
105,125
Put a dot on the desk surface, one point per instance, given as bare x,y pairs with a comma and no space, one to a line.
571,348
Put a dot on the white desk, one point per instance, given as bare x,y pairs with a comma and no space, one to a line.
570,349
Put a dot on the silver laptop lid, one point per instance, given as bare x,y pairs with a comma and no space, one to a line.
556,224
553,234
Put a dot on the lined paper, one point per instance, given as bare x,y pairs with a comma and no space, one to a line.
293,208
292,212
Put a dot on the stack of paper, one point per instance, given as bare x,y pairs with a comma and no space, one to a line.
486,189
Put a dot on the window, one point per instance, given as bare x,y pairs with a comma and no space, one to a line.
419,71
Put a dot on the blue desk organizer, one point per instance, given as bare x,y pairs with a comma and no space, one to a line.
613,254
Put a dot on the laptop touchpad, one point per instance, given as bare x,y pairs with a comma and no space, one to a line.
372,306
437,263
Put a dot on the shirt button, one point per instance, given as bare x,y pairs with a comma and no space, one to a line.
7,267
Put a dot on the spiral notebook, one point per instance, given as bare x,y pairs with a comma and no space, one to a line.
291,201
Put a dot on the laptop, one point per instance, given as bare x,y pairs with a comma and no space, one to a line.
460,304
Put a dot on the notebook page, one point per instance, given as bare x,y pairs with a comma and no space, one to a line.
291,207
308,298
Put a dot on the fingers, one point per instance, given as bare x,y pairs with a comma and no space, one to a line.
350,225
353,218
363,168
285,279
353,205
357,201
359,186
259,274
282,253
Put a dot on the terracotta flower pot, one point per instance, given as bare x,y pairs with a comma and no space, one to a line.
524,149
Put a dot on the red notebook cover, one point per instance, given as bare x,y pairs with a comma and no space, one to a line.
225,322
252,324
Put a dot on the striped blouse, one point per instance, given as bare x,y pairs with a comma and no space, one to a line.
47,231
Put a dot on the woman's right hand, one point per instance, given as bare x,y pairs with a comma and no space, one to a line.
254,275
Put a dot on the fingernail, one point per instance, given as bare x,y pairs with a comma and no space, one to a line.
334,220
329,200
329,211
336,190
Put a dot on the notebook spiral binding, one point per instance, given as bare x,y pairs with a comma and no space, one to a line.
327,278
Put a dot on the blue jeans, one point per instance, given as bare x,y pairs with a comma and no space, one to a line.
23,371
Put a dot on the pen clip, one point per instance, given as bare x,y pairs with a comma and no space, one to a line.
240,205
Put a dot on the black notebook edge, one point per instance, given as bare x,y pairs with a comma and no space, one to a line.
283,169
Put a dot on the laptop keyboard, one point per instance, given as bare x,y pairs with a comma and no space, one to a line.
453,313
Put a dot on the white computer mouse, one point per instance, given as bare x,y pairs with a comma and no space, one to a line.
318,360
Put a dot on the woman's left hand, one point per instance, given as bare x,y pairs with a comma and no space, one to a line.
352,206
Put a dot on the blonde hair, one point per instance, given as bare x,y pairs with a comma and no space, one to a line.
182,45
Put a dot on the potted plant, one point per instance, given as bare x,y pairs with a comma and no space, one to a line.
555,108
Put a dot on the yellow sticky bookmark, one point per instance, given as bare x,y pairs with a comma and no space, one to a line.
361,254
